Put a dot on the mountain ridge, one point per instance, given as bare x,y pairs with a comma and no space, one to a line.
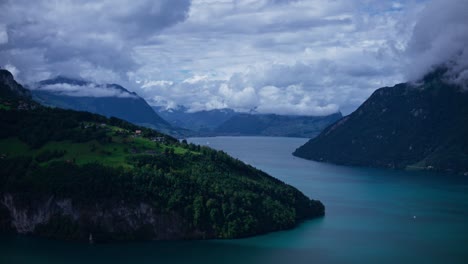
10,88
129,107
275,125
227,122
412,126
199,121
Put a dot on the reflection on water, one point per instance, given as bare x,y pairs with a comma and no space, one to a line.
372,216
31,250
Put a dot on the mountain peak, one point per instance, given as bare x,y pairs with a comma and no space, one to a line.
5,73
9,88
121,88
438,74
81,82
105,99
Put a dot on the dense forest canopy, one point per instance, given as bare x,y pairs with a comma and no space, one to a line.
91,159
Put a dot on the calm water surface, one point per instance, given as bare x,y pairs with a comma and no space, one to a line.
372,216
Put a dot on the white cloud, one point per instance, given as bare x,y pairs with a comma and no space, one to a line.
3,34
292,100
243,99
279,56
440,37
11,68
88,90
92,39
195,79
337,52
158,83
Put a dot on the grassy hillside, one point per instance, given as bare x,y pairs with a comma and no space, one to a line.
68,174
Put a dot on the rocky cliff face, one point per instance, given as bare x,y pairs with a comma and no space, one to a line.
60,218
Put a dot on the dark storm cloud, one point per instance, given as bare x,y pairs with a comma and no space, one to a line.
94,39
149,17
281,56
440,37
288,57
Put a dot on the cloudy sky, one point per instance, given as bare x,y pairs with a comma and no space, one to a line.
310,57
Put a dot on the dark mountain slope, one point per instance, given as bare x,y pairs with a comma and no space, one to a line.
201,121
227,122
421,126
127,105
9,88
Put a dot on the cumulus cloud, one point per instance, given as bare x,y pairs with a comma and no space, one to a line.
86,90
286,57
440,37
274,56
159,83
279,88
92,39
3,34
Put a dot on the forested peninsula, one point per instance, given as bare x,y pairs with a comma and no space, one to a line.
80,176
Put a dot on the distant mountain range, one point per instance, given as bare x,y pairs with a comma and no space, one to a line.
419,126
201,121
114,100
276,125
227,122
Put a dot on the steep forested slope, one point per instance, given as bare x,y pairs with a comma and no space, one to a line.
81,176
420,126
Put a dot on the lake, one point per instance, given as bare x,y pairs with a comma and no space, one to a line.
372,216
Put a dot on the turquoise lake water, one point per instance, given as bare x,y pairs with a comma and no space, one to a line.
372,216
